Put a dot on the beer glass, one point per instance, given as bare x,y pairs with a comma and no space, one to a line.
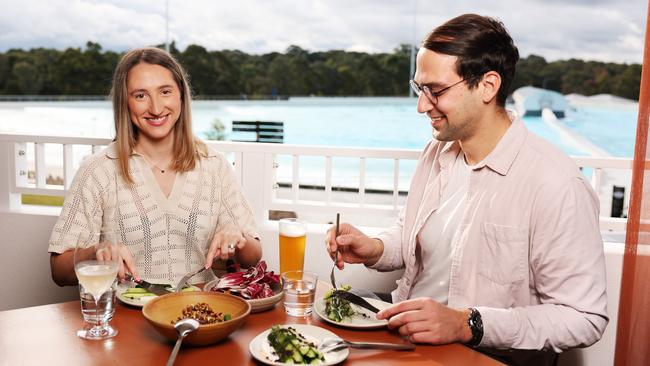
293,238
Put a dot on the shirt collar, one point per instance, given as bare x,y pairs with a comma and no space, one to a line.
111,150
501,158
449,153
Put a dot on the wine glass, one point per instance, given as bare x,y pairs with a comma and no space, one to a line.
96,262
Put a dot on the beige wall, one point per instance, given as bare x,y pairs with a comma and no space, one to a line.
25,264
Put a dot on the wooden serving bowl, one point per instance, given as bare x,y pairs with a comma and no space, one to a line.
161,310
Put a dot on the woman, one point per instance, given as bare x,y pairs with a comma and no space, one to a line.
176,203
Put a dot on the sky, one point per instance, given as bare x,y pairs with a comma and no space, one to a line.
602,30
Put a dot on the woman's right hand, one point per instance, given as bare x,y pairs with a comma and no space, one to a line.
353,246
127,263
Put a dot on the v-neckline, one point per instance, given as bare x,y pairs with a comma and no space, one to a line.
166,203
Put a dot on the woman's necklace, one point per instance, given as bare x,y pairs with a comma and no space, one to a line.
161,170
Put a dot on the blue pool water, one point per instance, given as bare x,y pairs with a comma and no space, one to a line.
356,122
394,123
352,122
611,128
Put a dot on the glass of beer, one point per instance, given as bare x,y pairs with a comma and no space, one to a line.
293,237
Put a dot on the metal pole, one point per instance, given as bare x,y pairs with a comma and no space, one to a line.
412,62
634,299
167,25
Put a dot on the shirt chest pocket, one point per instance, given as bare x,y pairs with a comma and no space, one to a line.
503,253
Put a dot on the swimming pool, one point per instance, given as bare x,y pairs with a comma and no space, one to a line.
355,122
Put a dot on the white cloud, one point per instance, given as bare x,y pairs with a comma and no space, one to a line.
607,30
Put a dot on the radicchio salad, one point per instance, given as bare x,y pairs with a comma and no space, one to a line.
254,283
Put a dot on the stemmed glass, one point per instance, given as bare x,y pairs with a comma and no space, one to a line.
96,262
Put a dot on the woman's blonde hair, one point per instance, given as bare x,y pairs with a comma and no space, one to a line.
186,146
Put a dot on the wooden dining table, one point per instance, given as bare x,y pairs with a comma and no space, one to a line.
46,335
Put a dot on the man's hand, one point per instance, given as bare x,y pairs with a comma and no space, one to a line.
353,246
424,320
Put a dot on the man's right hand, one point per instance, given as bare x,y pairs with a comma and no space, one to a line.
353,246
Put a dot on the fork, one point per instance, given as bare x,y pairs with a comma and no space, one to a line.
336,254
185,278
335,343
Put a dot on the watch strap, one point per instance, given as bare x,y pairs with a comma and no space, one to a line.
476,326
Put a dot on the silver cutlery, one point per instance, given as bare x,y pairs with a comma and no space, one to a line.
185,278
183,327
151,287
355,299
336,255
334,344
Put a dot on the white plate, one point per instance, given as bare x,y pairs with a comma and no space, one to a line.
357,320
257,305
261,349
120,289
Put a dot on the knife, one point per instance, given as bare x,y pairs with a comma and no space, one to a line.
153,288
355,299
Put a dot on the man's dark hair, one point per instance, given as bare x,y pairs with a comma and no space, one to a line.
481,44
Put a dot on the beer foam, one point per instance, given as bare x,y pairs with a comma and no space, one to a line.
292,230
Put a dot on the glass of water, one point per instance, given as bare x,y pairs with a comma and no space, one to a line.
299,292
96,262
100,313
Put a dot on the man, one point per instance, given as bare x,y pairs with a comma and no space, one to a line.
499,237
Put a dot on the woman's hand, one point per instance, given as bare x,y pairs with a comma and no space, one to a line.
127,263
225,244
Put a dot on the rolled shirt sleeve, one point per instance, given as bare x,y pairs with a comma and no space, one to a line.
391,259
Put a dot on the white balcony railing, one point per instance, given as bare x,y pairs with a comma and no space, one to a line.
274,176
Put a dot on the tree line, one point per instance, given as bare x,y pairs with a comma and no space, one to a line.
296,72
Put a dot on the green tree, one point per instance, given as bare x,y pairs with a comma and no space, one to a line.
297,71
202,73
28,80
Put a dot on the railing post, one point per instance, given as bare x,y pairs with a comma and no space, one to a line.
8,156
253,167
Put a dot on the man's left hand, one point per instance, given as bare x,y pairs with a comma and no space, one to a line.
424,320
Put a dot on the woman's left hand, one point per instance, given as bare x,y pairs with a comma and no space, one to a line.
225,244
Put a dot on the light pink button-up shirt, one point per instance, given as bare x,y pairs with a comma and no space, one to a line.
528,254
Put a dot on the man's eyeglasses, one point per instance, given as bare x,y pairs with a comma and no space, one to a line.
433,96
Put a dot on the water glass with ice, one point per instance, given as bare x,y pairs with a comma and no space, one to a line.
299,292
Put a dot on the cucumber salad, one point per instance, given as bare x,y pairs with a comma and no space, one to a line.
291,347
336,308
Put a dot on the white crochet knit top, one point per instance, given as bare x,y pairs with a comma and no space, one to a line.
168,236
